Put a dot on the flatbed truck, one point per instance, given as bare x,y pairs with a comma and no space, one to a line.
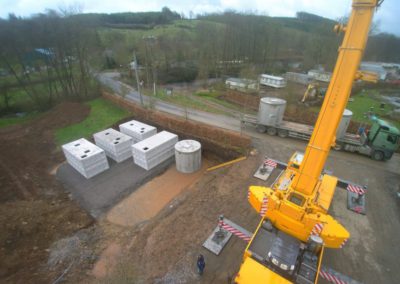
379,143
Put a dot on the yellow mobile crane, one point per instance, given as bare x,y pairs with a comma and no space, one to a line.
288,244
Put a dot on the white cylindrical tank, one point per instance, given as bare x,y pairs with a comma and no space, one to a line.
344,124
188,156
271,111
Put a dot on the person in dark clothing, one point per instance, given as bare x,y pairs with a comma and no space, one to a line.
201,264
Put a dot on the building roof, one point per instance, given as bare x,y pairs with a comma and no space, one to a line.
272,77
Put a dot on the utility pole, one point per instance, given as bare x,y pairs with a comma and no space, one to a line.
137,79
150,41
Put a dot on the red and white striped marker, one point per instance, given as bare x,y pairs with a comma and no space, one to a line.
248,195
330,277
355,189
270,163
264,206
344,242
234,231
317,229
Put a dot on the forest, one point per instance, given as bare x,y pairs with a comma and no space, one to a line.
52,56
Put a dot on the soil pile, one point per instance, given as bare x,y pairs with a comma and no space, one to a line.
34,209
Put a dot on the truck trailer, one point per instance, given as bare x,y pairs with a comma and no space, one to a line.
379,143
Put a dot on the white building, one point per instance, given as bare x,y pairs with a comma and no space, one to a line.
241,84
318,75
299,78
272,81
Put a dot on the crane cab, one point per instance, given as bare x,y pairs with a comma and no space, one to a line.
276,257
295,161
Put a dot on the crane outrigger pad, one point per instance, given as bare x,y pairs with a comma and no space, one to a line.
267,167
356,202
217,240
223,232
355,196
263,172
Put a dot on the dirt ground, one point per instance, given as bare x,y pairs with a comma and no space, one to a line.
34,210
145,202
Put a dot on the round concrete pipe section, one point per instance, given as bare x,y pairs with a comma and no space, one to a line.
188,156
344,124
271,111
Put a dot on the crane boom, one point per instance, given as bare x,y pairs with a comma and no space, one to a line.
288,244
350,53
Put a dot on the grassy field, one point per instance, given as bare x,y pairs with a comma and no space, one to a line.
184,101
19,99
363,102
214,98
102,115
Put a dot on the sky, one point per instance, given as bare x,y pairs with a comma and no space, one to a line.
387,16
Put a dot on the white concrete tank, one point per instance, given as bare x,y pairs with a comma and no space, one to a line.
188,156
271,111
344,124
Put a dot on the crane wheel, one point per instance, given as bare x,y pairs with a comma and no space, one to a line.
283,133
271,131
377,155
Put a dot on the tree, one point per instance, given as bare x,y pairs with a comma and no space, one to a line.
51,49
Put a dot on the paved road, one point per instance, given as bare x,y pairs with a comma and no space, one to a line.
110,79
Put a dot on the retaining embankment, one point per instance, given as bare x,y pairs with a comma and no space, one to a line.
223,143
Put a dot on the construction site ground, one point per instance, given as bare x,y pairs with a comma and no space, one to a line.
100,193
46,237
164,249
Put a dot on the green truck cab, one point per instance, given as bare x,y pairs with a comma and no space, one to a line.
383,140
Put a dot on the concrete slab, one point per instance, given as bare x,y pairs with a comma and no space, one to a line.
103,191
116,145
87,158
153,150
137,130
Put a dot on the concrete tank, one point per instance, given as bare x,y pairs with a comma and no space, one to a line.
188,156
271,111
344,124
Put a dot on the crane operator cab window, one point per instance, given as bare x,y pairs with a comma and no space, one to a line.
295,160
296,199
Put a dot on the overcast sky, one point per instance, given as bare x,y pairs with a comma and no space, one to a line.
388,14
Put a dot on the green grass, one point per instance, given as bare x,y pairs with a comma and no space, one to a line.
18,99
102,115
214,97
7,121
362,103
184,101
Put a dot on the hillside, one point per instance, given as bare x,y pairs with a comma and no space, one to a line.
233,44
